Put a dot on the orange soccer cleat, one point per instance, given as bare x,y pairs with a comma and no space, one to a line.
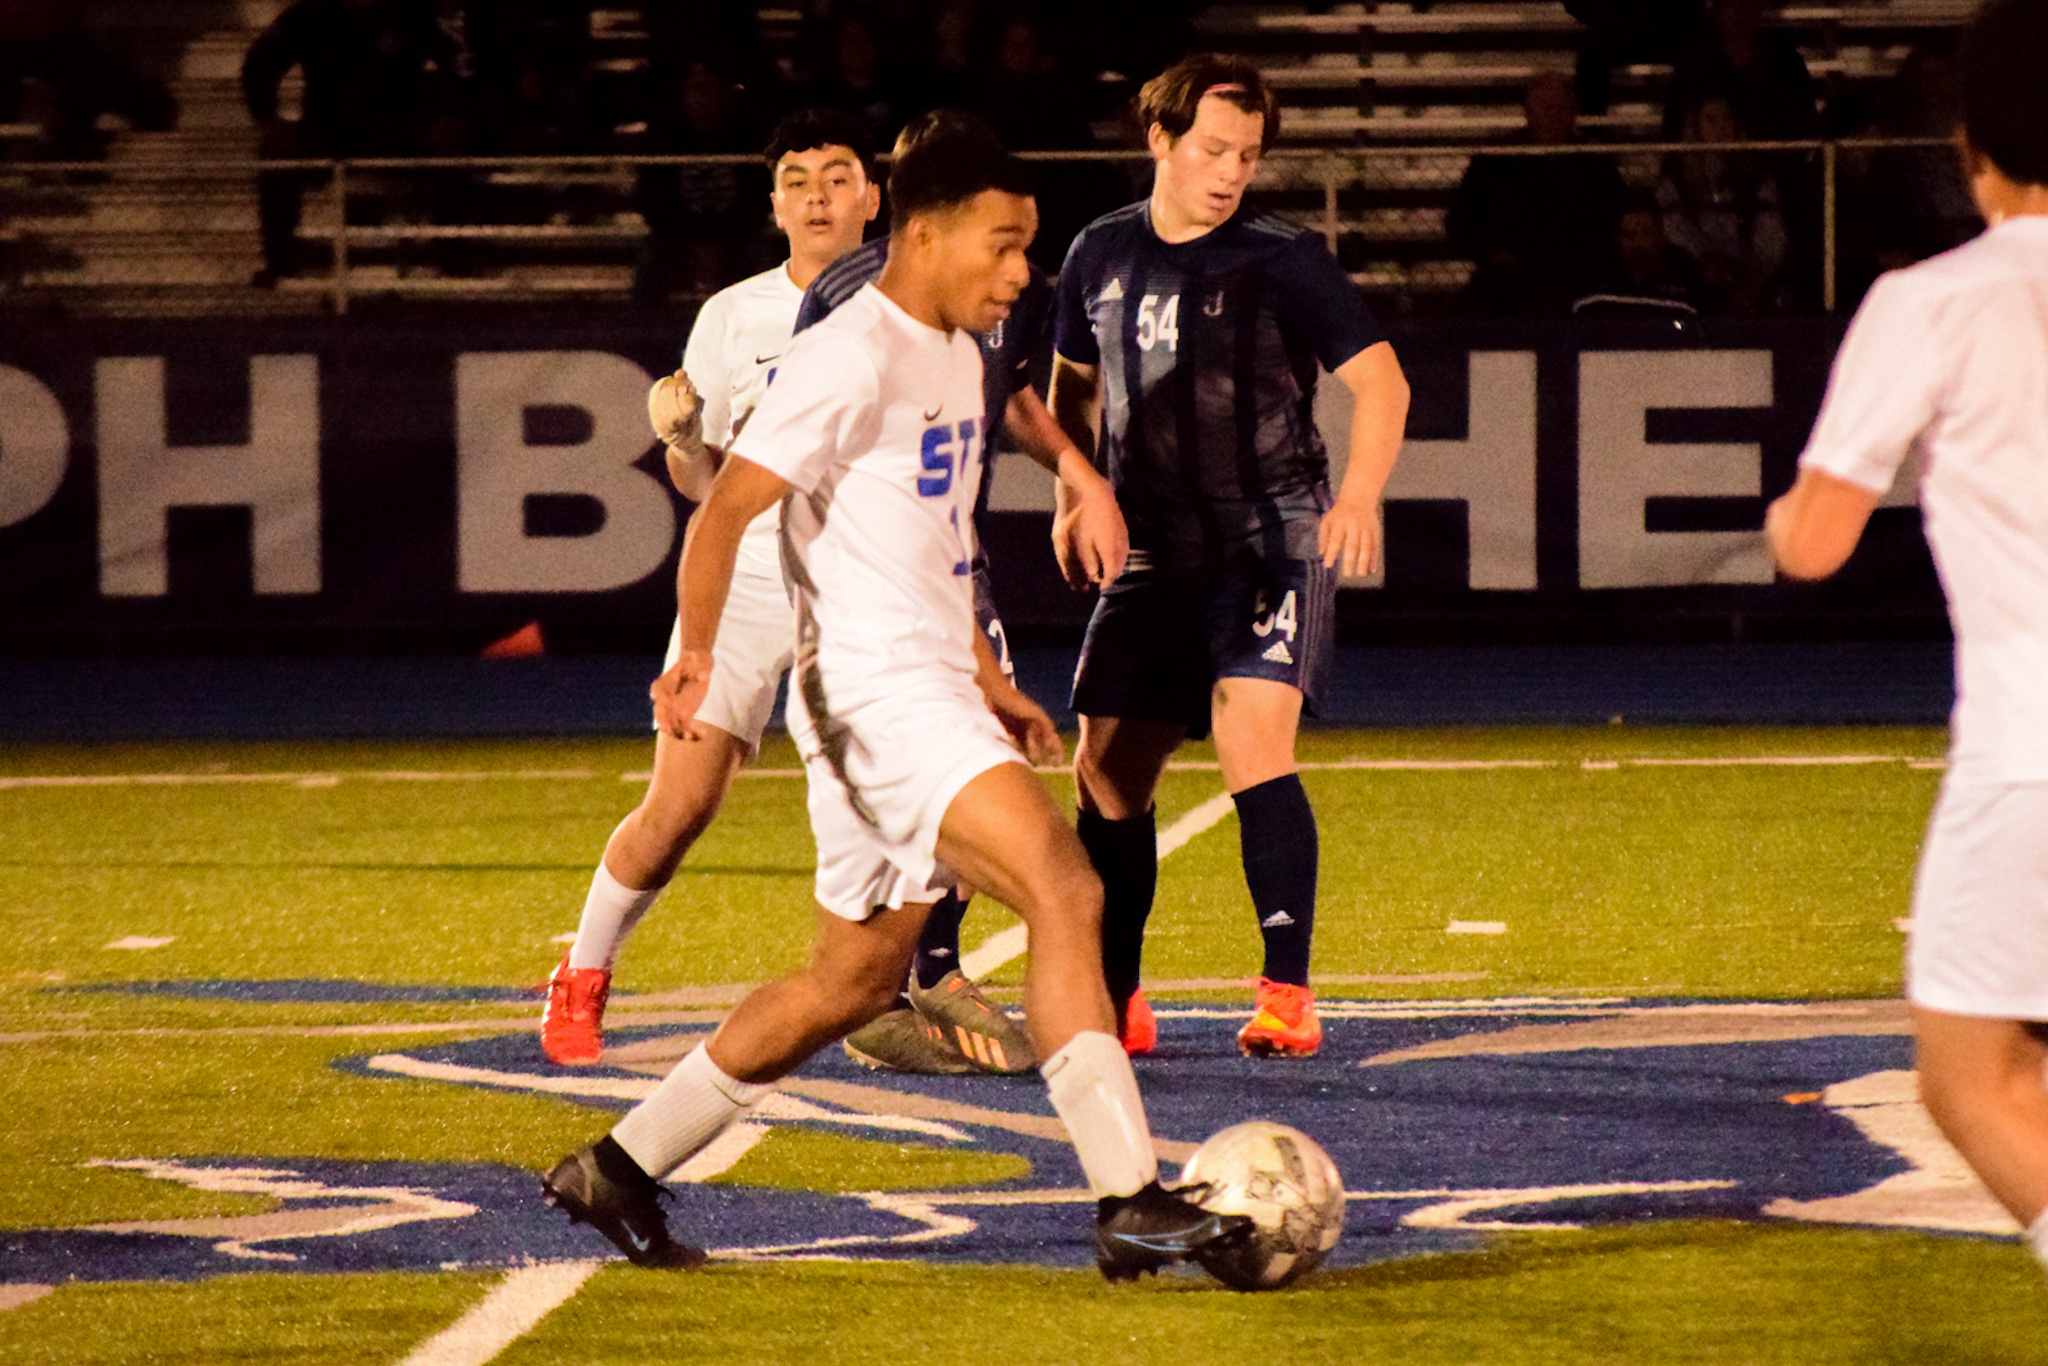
1137,1028
572,1026
1284,1025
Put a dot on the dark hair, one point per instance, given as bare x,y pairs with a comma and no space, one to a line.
2005,98
949,162
1171,98
951,122
809,128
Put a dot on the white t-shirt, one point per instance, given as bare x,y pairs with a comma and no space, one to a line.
734,348
1950,358
875,420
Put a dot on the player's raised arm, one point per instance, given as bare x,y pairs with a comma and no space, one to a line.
742,492
1349,537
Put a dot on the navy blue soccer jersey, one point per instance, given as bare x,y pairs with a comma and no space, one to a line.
1209,352
1006,350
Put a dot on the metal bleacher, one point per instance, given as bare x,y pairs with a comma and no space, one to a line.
1385,104
1439,79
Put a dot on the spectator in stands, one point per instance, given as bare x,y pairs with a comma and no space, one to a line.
1540,228
1034,107
859,79
54,75
1920,204
704,222
379,78
530,58
1650,275
1726,210
1627,32
1761,74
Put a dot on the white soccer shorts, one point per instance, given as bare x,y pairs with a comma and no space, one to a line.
880,788
1980,904
756,642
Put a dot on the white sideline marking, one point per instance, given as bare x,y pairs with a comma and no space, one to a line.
1903,924
336,778
16,1295
1004,945
142,941
565,937
520,1301
1452,1213
1476,927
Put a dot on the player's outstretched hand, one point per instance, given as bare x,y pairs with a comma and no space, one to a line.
679,692
1028,725
1349,539
1090,540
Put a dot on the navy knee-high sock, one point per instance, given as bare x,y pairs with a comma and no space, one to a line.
938,947
1126,857
1277,831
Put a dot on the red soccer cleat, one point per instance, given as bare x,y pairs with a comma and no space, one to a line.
1137,1028
572,1026
1285,1024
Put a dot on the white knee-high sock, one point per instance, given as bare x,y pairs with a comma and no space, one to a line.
693,1103
1096,1095
2037,1239
609,914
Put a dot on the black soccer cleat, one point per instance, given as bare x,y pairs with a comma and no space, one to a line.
626,1212
1138,1234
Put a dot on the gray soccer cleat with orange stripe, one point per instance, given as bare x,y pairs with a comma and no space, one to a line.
987,1037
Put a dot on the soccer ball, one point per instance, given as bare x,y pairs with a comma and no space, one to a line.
1287,1184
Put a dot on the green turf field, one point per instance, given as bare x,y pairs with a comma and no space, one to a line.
1615,873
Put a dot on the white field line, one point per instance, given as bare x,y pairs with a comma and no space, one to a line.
335,778
1004,945
520,1301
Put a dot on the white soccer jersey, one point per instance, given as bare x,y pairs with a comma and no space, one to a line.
734,348
1950,357
875,419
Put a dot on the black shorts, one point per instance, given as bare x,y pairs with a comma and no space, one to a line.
1160,639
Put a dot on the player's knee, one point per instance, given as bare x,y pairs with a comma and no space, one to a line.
1099,789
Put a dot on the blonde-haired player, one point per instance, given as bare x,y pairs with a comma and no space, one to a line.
1950,358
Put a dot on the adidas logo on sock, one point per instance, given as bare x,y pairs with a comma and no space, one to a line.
938,953
1112,294
1278,654
1279,920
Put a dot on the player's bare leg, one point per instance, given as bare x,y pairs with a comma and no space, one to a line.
1982,1080
1004,834
689,785
1255,722
1117,767
855,971
614,1185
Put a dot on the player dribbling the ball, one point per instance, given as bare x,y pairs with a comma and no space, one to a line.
871,441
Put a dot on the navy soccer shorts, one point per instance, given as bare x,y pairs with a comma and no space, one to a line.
1160,639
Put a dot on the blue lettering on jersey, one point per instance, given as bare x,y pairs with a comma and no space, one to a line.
947,450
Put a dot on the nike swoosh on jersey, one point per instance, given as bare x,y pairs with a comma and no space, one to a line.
933,415
763,360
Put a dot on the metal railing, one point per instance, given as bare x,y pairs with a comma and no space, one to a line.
1323,175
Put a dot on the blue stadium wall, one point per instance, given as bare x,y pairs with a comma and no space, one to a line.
384,487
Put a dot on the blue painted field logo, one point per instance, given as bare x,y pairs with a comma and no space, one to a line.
1448,1120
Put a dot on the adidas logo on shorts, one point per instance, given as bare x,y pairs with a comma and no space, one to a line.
1278,654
